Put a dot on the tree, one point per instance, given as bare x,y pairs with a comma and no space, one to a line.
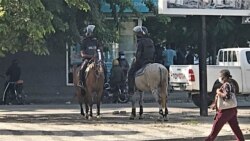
26,25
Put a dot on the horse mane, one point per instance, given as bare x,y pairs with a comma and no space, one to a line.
90,66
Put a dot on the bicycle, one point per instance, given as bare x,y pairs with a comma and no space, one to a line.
118,94
13,93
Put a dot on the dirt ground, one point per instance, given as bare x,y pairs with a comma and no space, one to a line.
63,123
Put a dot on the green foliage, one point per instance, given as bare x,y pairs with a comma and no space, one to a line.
24,26
80,4
1,11
151,6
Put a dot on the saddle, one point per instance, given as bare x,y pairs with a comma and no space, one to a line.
141,70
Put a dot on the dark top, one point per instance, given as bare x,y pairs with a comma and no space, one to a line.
124,65
90,45
189,59
145,50
14,72
117,76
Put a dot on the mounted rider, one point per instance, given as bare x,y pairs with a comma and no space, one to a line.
89,47
144,54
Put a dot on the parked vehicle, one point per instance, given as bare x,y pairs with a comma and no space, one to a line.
115,95
236,60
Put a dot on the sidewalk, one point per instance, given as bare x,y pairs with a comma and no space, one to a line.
64,123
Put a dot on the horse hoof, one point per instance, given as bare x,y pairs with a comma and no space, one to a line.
98,117
86,116
90,118
165,119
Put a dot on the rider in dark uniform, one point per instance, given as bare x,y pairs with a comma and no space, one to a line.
144,54
89,48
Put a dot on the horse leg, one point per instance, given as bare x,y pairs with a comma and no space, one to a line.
87,110
99,97
141,105
157,97
164,104
90,111
133,113
81,108
164,96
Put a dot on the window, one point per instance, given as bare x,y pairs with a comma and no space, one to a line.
72,58
234,56
248,56
220,56
225,56
229,56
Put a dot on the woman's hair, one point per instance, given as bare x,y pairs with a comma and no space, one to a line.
225,73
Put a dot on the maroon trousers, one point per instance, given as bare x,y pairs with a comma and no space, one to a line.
222,117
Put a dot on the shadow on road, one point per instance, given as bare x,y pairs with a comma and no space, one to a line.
71,133
107,118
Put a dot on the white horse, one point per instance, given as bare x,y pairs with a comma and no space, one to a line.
153,79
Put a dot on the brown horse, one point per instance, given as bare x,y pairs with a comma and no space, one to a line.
153,79
92,93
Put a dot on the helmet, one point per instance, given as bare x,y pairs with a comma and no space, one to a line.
140,30
115,62
89,30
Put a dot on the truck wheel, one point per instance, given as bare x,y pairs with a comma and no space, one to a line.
197,101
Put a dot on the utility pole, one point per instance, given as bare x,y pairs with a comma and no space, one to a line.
203,69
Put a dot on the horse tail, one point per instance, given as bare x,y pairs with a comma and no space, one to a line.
163,86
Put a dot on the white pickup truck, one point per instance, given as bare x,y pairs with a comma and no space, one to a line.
236,60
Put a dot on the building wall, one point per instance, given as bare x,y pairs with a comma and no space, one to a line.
127,40
44,76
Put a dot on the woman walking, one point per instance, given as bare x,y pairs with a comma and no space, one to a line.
226,108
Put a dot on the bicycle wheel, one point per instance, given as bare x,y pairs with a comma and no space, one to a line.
9,98
123,97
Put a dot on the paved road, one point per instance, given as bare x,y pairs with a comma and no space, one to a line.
64,123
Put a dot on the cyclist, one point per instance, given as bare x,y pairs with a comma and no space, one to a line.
13,73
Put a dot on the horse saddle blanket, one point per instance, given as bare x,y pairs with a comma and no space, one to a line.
141,70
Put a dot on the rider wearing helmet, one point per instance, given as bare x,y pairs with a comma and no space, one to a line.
89,47
144,54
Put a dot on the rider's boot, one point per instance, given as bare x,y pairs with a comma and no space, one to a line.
131,85
82,76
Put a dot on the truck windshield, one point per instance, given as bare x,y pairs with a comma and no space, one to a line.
248,56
